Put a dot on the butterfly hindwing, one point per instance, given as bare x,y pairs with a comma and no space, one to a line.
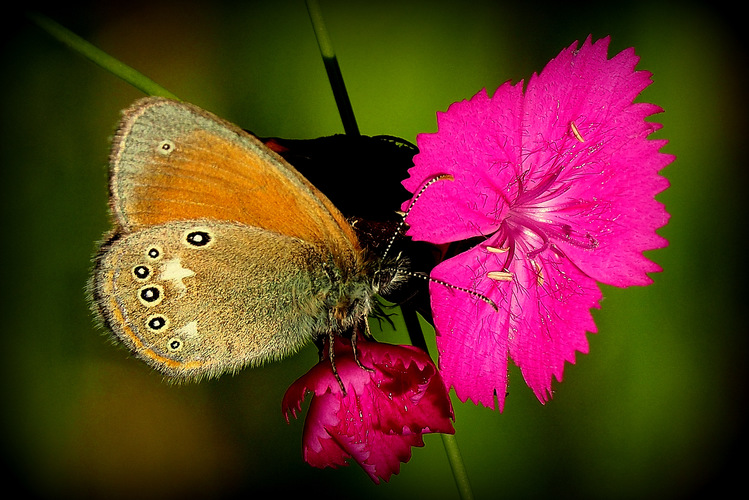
194,298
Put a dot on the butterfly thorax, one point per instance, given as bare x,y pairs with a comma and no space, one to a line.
350,296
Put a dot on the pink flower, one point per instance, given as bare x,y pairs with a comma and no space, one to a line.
557,183
383,413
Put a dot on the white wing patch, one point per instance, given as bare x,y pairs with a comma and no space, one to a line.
172,270
189,331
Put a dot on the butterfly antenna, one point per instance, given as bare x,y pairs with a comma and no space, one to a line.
397,233
473,293
402,222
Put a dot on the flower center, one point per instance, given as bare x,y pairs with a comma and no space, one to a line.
539,218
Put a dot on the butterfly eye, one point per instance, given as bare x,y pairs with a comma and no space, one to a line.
154,252
141,272
198,238
165,147
157,322
174,344
151,295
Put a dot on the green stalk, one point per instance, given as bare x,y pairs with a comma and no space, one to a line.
331,67
460,474
98,56
413,326
449,441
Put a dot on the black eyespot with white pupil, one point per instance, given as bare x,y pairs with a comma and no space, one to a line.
165,147
156,323
150,295
141,272
174,344
198,238
154,253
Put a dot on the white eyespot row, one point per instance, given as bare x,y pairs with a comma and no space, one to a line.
152,294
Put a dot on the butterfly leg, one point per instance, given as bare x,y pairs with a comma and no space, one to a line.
331,354
368,335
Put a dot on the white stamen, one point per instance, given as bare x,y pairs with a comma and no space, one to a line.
498,250
539,275
500,275
576,132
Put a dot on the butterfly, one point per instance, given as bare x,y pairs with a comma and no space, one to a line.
222,254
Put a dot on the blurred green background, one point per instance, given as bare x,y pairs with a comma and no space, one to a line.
655,409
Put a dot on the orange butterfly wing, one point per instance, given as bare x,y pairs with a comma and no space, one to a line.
174,161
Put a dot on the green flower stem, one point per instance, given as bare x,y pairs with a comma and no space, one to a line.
100,57
409,314
454,458
458,467
334,71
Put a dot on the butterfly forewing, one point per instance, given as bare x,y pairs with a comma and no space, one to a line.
174,161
